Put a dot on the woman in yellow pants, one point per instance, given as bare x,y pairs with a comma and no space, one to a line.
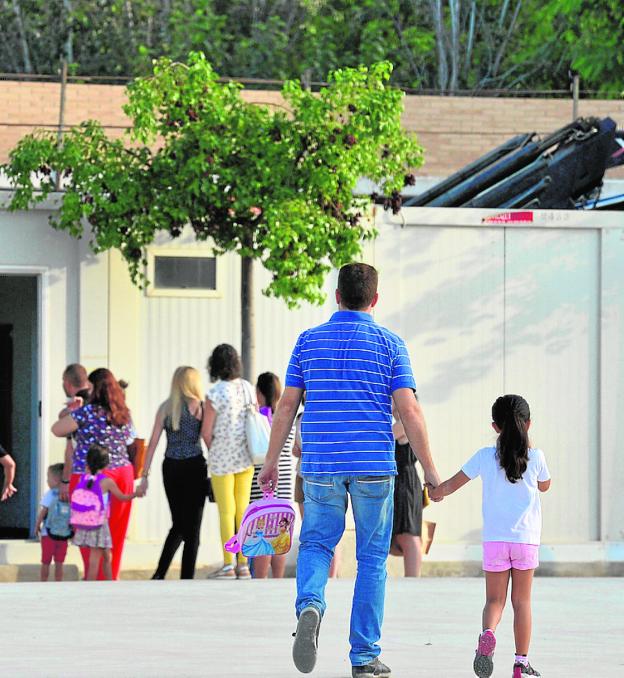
232,496
231,467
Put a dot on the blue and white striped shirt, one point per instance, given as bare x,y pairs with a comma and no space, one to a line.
349,367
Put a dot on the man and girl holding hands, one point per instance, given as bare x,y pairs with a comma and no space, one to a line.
353,371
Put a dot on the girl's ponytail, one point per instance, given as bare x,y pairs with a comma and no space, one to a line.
511,414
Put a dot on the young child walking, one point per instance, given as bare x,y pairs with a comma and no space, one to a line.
513,473
52,526
89,512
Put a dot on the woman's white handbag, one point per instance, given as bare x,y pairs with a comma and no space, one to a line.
257,430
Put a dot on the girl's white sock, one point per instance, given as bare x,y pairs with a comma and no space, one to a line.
522,659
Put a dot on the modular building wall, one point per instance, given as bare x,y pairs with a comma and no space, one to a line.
521,302
89,312
488,304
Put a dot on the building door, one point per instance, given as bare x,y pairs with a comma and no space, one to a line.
6,385
19,403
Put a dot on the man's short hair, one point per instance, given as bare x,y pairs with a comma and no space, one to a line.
76,375
357,284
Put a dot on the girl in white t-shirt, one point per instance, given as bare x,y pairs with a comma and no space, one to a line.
513,473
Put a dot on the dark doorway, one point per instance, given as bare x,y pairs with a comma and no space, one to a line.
6,385
19,400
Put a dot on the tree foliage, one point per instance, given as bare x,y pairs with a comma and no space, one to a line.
434,44
586,36
269,183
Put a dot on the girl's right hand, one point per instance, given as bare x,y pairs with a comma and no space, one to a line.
435,493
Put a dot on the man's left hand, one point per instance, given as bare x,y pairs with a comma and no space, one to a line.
267,478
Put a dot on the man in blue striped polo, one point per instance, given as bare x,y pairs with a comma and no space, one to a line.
351,369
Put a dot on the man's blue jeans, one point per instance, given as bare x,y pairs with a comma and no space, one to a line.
323,526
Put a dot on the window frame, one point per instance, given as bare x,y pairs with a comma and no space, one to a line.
181,292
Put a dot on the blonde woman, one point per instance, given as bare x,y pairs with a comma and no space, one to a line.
184,468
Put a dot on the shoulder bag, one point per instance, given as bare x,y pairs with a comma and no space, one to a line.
257,429
136,454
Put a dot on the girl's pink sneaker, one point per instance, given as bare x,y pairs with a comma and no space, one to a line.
520,670
483,664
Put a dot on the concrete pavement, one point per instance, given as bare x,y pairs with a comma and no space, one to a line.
235,629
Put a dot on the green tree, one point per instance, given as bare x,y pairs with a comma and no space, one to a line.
274,185
434,44
586,36
32,35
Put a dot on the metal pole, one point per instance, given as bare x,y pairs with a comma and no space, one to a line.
576,88
306,79
59,135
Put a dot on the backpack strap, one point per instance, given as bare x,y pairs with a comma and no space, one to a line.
232,545
97,487
249,402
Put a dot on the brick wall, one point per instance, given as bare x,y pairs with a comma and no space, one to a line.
456,130
453,130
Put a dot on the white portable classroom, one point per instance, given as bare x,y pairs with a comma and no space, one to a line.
489,302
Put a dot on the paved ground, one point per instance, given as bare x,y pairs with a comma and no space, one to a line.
236,629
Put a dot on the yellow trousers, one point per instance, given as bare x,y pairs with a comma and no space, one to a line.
232,496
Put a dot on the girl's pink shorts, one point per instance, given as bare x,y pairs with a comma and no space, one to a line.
499,556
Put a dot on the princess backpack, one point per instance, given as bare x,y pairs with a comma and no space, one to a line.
88,509
266,528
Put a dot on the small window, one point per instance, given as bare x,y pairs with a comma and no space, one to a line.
183,272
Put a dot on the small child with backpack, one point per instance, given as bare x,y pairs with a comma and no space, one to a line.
513,474
53,526
89,512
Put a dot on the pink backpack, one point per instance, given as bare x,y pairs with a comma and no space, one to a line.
266,528
88,509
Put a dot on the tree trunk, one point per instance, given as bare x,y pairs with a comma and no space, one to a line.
131,25
470,40
248,338
69,43
503,43
455,11
165,22
438,24
17,11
